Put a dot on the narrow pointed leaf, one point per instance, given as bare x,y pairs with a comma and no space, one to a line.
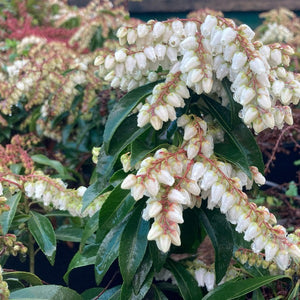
113,211
43,233
157,293
109,294
122,109
295,292
6,217
20,275
186,282
234,289
133,244
158,257
108,251
89,229
220,234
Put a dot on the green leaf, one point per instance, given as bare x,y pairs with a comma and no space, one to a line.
158,257
142,272
113,211
108,251
43,233
121,111
117,177
68,233
20,275
7,216
186,282
234,289
44,160
220,234
240,146
294,295
86,258
127,291
89,229
111,294
91,293
157,294
133,244
258,295
46,292
92,192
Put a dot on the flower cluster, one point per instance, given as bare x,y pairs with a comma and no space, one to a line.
181,177
199,55
10,246
4,291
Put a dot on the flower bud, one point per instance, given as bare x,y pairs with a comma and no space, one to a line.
163,243
270,250
154,232
165,177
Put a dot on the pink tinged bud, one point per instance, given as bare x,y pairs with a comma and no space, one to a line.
175,238
209,23
156,122
160,51
294,251
190,43
150,53
238,61
164,177
154,232
286,96
175,216
152,186
252,231
128,182
207,84
189,131
257,66
137,191
154,208
198,171
162,112
271,250
228,36
141,60
209,280
143,118
109,62
172,54
131,36
163,243
209,178
276,57
142,30
251,114
259,243
158,29
282,259
247,95
259,178
199,274
268,120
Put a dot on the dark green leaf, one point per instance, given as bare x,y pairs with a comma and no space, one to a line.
258,295
43,233
89,229
113,211
294,295
186,282
68,233
133,244
7,216
117,177
127,291
142,272
91,293
158,257
220,234
239,137
108,251
20,275
121,111
86,258
234,289
157,294
14,284
111,294
46,292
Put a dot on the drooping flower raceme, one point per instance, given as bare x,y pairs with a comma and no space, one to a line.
180,177
199,56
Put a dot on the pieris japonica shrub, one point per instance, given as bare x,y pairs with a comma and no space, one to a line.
198,92
178,161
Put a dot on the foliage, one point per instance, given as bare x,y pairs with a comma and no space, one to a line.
177,163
